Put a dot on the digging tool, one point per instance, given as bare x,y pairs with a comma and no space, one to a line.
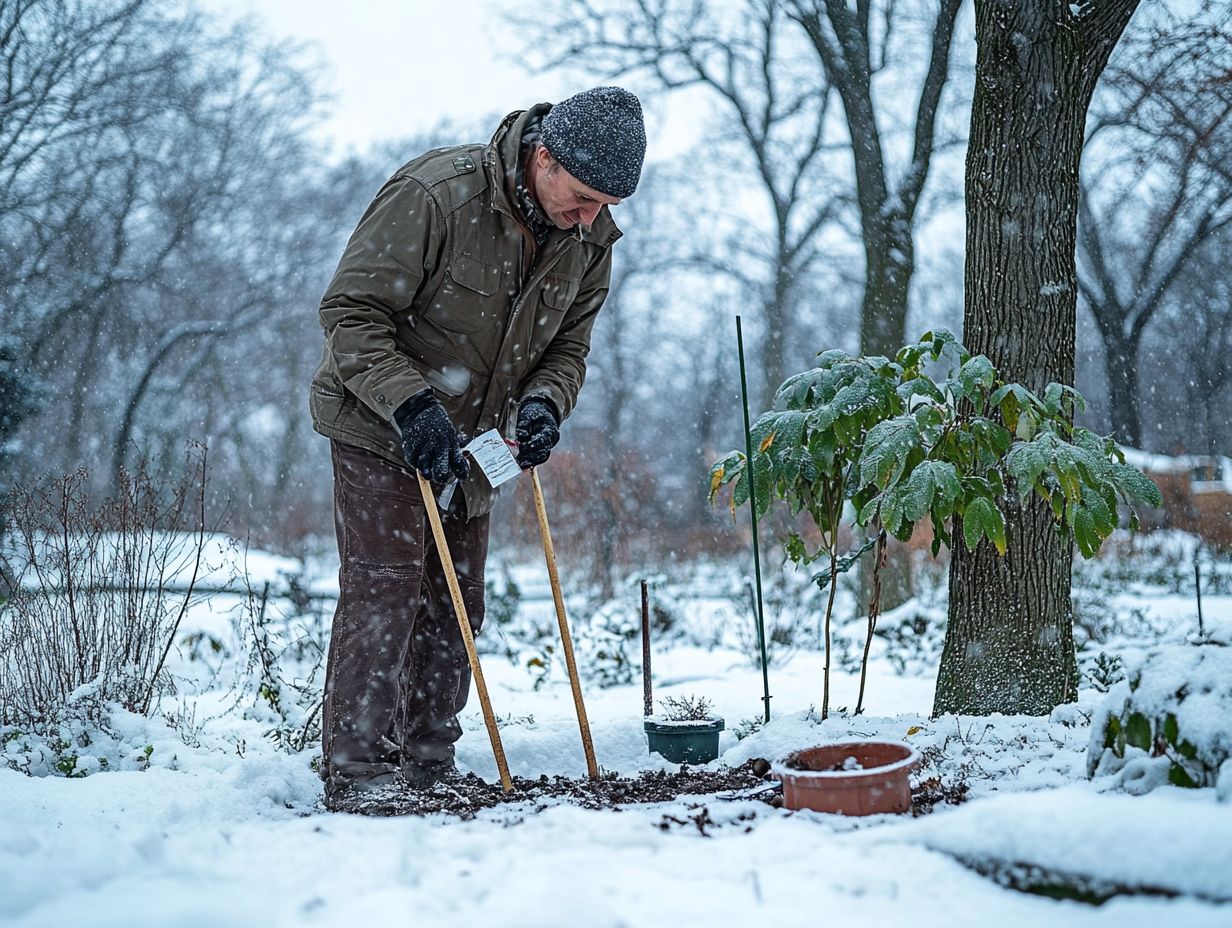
464,624
592,767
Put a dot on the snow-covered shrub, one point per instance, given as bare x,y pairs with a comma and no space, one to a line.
285,661
605,647
78,741
792,606
1162,560
1103,670
1098,619
94,593
914,634
1169,721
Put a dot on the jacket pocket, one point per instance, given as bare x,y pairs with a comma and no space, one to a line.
560,292
470,300
329,405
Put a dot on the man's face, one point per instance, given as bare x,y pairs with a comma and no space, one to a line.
565,199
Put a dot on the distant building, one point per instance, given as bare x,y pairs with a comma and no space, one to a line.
1197,492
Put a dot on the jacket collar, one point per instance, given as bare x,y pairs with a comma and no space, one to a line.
500,161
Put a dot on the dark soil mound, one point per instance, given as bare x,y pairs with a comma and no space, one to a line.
464,796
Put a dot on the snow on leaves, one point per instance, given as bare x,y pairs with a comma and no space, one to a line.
903,446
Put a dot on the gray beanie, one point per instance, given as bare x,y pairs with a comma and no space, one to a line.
598,137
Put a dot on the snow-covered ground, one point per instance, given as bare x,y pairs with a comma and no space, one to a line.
230,832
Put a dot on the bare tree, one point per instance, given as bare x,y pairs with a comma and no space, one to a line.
851,42
1155,185
1188,353
775,107
1009,641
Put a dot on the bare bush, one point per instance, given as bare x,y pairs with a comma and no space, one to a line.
94,594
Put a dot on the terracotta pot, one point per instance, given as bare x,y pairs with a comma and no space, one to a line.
684,742
875,782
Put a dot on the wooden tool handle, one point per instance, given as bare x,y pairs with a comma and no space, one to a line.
549,553
464,625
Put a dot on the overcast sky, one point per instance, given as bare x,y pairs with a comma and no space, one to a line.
396,67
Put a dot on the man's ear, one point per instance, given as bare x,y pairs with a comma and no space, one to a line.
544,160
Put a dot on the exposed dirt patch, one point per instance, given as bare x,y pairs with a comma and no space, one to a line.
930,793
464,796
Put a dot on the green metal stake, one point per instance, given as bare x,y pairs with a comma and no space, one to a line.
748,447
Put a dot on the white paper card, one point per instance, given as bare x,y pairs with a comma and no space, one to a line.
493,457
446,495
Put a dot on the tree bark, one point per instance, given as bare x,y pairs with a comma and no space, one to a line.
1009,642
1121,363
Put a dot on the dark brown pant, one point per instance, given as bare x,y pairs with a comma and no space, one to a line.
397,674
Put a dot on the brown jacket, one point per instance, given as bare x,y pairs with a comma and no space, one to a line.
441,286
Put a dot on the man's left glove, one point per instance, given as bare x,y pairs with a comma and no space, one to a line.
538,431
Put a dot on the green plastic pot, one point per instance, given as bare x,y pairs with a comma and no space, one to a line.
684,742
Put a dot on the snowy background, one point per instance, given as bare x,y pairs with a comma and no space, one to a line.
177,180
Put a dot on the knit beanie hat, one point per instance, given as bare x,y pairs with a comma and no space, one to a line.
598,137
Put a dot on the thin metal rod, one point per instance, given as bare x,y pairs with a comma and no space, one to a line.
748,446
464,625
549,554
1198,587
647,695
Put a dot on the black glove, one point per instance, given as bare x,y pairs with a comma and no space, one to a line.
430,443
537,431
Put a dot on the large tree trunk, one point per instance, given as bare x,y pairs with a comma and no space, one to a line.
1009,642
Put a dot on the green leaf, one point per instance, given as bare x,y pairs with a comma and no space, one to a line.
992,435
1179,776
821,449
892,505
885,450
994,528
868,510
1026,426
1104,516
942,341
975,375
1138,731
740,492
1083,526
843,563
917,387
1025,462
977,517
1111,734
834,356
1172,731
724,471
933,486
1012,399
1135,485
761,484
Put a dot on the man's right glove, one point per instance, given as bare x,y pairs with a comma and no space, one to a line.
430,443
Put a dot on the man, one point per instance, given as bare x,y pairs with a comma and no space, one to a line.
464,301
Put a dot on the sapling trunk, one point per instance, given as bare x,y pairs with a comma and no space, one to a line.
825,686
874,610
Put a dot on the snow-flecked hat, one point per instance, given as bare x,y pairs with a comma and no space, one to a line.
598,137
